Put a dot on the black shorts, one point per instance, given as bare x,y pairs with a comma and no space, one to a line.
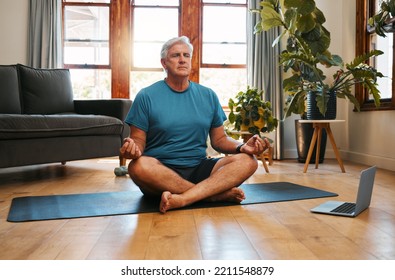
197,173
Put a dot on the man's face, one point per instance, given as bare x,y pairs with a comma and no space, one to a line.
178,61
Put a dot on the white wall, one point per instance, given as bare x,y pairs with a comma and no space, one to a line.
365,137
14,16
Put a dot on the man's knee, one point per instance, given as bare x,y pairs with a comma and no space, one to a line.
245,161
249,161
139,168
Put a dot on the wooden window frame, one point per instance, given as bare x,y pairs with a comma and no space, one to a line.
364,10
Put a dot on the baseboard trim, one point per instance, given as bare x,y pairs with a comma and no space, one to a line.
380,162
292,153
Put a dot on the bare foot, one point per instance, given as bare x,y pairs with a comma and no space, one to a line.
232,195
170,201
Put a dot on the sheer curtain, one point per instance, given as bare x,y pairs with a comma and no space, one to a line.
264,72
45,46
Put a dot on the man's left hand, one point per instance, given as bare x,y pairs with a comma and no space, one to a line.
255,145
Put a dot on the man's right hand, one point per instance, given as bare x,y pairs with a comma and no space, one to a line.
129,149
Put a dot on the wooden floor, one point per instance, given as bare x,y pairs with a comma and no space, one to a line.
276,231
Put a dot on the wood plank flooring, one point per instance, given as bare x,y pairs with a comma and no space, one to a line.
276,231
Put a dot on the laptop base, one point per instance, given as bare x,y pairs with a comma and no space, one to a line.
328,206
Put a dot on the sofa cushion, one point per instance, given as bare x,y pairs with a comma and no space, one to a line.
9,90
45,91
42,126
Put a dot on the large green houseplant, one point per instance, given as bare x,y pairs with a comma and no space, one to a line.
306,54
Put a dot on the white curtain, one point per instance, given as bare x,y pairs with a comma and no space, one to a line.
263,70
45,29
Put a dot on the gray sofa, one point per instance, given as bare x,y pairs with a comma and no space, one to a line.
41,123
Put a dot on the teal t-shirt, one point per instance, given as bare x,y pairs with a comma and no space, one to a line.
177,123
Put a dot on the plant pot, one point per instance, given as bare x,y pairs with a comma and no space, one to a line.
244,127
313,113
304,133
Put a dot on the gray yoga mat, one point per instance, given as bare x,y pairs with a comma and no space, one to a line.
51,207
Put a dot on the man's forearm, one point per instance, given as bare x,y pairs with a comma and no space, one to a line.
228,145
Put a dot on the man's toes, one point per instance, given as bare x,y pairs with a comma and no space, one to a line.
164,203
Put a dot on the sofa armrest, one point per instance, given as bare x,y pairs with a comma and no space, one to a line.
117,108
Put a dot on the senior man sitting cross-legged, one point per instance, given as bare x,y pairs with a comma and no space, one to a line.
169,125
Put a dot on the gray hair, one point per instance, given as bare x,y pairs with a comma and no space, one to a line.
178,40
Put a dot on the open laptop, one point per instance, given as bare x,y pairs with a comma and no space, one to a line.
350,209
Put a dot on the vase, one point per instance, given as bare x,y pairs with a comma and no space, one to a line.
313,112
304,134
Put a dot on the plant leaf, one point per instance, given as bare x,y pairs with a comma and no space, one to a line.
306,23
278,39
317,40
303,7
296,104
362,58
269,17
319,16
231,117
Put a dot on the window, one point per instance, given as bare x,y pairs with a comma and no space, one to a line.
224,47
367,41
153,23
86,39
112,48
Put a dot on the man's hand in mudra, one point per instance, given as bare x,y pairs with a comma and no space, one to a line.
255,145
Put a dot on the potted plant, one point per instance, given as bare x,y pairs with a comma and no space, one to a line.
306,54
383,20
307,50
249,112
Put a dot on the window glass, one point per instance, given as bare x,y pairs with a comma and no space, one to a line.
142,79
86,35
225,88
91,83
156,2
384,63
224,38
153,23
90,53
224,53
224,47
152,27
225,1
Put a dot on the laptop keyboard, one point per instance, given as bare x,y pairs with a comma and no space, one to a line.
346,207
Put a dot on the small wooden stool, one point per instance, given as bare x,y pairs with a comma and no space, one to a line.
318,126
